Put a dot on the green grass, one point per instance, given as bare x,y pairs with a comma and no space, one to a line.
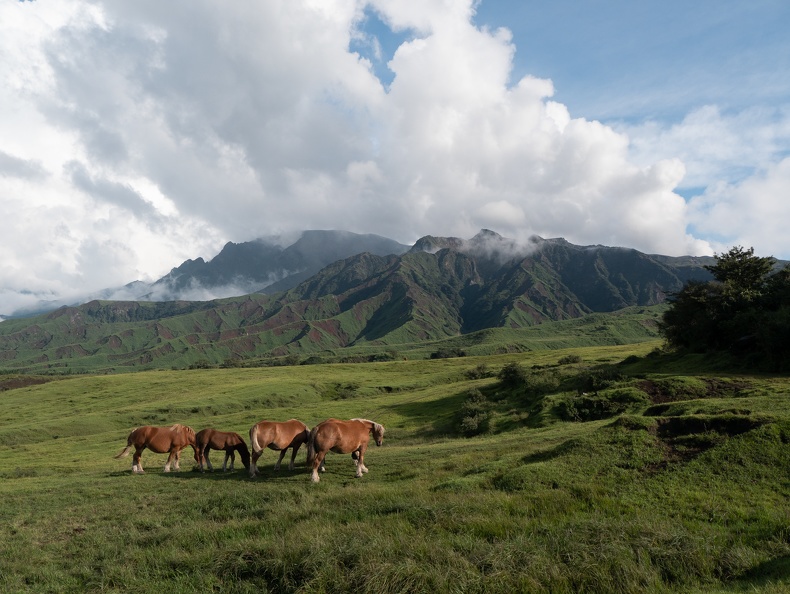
686,490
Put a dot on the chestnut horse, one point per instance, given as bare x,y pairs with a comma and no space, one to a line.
160,440
211,439
279,437
342,437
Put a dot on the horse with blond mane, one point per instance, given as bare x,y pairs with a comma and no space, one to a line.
210,439
341,437
277,436
161,440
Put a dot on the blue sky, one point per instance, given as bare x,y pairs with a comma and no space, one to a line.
135,135
627,60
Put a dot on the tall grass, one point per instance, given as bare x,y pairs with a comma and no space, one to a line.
630,503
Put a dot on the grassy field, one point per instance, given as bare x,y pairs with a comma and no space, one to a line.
600,469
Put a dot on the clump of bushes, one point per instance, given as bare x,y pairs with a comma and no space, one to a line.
512,376
339,391
480,372
474,414
589,408
569,360
448,353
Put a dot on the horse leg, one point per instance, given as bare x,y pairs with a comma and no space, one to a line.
318,462
201,458
293,457
253,461
137,464
208,461
360,464
228,454
178,459
280,459
170,458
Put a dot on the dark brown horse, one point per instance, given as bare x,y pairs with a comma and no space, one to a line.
160,440
279,437
211,439
342,437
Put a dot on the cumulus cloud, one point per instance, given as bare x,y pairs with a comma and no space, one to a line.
753,212
144,133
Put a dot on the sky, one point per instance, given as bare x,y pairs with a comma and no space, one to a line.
136,135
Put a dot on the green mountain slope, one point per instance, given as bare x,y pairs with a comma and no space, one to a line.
440,289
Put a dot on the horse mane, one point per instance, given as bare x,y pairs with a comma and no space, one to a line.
377,427
180,427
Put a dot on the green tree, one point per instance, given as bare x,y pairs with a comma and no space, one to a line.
743,276
745,309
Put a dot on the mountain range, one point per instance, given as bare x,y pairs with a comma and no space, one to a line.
387,294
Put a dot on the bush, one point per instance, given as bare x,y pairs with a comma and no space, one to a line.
569,360
513,375
448,354
589,408
474,417
479,372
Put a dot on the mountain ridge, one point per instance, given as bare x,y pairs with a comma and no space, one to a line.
440,288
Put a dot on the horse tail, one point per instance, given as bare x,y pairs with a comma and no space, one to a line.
311,446
128,448
254,447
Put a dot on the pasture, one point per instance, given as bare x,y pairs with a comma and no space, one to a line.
667,478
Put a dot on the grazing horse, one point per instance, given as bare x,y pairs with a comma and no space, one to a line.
160,440
279,437
342,437
211,439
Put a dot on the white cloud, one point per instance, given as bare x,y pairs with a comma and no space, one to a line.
751,213
135,135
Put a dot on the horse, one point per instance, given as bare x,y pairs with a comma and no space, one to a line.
279,437
211,439
161,440
342,437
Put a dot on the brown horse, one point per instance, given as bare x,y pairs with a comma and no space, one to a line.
211,439
342,437
279,437
160,440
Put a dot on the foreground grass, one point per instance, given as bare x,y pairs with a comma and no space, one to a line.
631,503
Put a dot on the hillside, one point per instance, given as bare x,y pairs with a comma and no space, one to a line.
440,289
592,470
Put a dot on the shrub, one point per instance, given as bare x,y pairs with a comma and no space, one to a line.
589,408
448,353
474,417
569,360
479,372
512,375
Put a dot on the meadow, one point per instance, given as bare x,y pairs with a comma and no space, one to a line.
596,469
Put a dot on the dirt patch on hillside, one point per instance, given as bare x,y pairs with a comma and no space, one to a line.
682,439
714,388
12,383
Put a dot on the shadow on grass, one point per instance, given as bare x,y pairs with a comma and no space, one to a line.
439,415
769,572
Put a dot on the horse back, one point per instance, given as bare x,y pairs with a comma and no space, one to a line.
279,435
339,436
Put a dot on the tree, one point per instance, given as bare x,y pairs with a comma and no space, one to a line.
745,308
743,275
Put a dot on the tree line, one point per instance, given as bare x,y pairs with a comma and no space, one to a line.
743,311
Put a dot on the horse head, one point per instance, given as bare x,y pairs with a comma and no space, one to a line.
244,452
189,434
378,433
